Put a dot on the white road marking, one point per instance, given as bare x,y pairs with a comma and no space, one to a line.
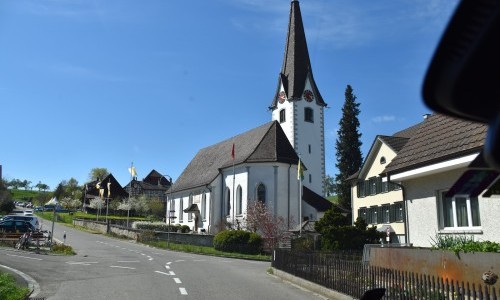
179,260
169,273
82,263
150,258
177,280
167,267
169,263
183,291
198,260
34,258
122,267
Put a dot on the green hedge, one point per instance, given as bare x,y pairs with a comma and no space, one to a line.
160,226
238,241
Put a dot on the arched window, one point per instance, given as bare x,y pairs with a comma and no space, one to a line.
382,160
261,193
282,116
228,202
190,202
308,115
181,210
239,200
203,206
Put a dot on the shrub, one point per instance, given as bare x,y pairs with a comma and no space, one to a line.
63,249
238,241
185,229
463,243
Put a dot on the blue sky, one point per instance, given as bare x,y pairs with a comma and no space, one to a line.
104,83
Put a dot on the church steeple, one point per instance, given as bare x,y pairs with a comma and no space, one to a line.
298,105
296,67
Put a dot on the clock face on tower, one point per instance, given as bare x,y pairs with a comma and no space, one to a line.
282,96
308,95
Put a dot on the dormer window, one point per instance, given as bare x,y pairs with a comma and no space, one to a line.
382,160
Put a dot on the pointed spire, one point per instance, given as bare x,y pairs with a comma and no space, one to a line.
296,64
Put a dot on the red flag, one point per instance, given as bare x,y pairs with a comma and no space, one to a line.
232,152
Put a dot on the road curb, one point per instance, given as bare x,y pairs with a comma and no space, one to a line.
310,286
23,279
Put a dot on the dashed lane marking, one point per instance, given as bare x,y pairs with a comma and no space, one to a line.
34,258
183,291
82,263
177,280
122,267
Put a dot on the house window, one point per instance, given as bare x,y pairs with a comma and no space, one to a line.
371,215
310,178
239,200
181,210
228,202
373,185
309,148
282,116
384,213
396,212
203,206
360,187
308,115
362,213
190,202
261,193
459,211
382,160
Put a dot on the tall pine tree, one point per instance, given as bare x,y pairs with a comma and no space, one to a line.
348,145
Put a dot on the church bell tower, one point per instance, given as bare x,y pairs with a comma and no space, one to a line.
298,106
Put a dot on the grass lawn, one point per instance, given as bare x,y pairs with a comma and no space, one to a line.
9,290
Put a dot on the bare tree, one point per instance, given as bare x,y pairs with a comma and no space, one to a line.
272,228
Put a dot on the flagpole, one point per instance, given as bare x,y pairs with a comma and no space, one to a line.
300,207
299,178
234,202
130,190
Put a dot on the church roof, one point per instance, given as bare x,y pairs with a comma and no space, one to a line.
315,200
296,64
266,143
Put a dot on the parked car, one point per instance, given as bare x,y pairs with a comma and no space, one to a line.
16,226
33,220
19,212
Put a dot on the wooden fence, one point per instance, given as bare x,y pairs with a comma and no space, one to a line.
350,276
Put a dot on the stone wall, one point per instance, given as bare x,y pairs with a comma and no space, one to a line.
175,237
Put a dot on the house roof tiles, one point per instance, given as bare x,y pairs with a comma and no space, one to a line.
439,138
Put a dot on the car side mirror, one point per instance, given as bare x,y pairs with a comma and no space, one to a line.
463,79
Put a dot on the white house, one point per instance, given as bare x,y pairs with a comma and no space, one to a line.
261,164
445,186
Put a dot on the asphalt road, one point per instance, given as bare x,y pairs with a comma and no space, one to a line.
108,268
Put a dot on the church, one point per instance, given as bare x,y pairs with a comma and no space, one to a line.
262,164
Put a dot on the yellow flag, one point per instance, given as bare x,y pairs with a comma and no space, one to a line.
132,171
300,171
